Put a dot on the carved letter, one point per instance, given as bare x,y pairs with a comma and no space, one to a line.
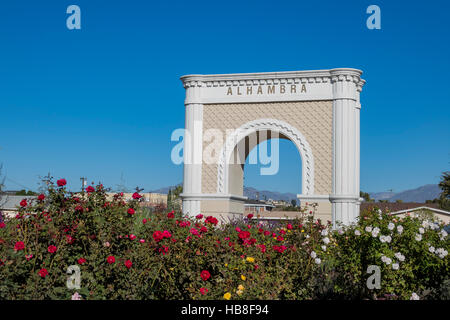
303,88
229,92
239,92
270,89
259,90
293,88
282,88
249,90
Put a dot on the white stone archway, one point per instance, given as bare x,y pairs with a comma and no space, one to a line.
317,110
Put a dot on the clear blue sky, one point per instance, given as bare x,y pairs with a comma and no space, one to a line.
103,101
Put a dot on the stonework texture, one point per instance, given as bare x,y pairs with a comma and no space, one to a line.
312,118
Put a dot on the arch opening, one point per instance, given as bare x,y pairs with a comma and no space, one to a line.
238,145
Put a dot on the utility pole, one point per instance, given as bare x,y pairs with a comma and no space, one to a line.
83,183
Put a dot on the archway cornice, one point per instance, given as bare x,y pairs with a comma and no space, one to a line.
268,86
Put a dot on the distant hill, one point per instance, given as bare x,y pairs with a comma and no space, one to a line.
249,192
420,194
253,193
165,190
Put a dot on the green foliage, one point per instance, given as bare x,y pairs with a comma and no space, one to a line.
366,196
160,255
24,192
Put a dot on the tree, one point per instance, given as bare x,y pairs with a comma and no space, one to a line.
294,202
366,196
24,192
444,198
177,191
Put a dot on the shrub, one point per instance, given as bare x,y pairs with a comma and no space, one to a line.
125,251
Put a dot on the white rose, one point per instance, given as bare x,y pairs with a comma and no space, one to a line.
395,266
324,232
317,260
399,229
357,233
368,229
414,296
418,237
388,239
326,240
313,254
391,226
324,248
421,230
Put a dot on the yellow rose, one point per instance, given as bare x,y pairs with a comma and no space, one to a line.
241,287
227,296
239,292
226,264
243,277
250,259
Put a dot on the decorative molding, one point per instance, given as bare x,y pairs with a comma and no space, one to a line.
209,89
270,125
211,196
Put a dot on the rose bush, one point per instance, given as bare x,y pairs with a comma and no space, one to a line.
127,252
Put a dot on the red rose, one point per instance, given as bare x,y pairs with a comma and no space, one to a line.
23,203
244,235
19,246
90,189
131,211
171,215
158,236
205,275
203,291
81,261
128,264
166,234
132,237
289,226
52,249
212,220
79,208
43,273
61,182
69,239
2,225
199,216
144,221
136,196
111,259
250,216
203,229
41,197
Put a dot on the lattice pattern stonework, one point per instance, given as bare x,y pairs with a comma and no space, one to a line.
312,118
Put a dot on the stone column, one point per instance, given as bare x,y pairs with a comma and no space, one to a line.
345,198
193,149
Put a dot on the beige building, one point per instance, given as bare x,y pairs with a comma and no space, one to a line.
149,198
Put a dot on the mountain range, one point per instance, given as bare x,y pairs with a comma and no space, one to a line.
420,194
